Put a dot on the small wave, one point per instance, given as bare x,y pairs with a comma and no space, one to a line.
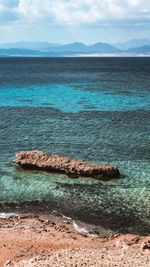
84,231
4,215
65,217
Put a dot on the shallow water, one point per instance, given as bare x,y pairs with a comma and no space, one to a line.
94,109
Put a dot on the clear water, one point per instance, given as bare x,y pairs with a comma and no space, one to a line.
91,108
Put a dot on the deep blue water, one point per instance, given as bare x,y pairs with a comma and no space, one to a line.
96,109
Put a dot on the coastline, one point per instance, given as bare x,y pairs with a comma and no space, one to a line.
39,239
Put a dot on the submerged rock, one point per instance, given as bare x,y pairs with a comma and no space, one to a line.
55,163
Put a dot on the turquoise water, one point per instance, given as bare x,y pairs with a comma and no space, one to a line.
71,98
94,109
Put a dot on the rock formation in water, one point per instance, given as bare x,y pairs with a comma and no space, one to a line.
55,163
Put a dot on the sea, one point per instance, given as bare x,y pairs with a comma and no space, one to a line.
96,109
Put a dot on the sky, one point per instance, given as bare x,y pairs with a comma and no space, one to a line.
63,21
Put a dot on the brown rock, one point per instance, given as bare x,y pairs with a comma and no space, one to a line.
55,163
145,245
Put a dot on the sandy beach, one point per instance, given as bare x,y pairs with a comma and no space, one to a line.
28,240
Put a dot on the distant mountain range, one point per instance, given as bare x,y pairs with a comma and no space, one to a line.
46,49
132,43
28,45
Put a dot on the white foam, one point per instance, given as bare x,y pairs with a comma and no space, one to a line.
65,217
79,229
93,235
4,215
83,230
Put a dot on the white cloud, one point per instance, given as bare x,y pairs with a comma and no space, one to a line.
8,11
72,12
75,12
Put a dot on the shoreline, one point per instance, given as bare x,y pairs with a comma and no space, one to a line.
26,237
125,223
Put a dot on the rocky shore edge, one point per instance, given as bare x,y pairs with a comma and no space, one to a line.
54,163
47,240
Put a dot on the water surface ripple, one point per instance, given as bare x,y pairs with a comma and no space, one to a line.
94,109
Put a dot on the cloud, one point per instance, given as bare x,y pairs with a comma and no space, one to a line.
75,12
8,11
9,3
8,17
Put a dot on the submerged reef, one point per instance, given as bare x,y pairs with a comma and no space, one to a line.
55,163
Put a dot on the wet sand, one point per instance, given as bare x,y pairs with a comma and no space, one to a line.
29,240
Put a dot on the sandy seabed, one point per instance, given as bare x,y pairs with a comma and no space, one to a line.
39,241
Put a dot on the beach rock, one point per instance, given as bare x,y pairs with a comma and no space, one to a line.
55,163
145,245
7,263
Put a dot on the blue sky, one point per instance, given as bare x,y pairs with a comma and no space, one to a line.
62,21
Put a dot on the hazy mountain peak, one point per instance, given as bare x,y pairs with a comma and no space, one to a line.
132,43
144,49
24,48
28,45
103,48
